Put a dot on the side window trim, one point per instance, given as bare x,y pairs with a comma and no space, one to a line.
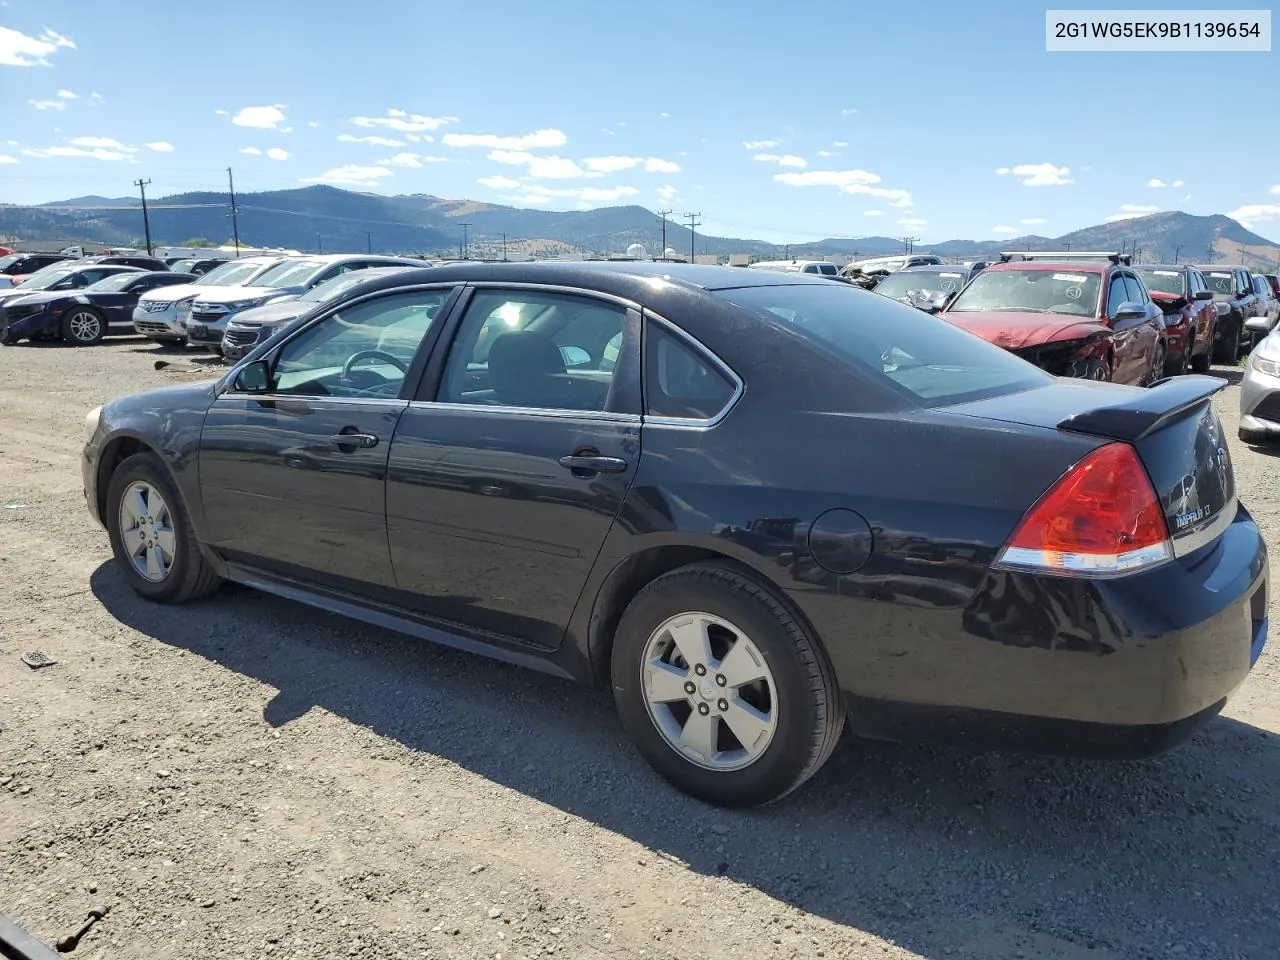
699,348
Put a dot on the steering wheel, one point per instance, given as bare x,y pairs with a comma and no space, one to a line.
371,355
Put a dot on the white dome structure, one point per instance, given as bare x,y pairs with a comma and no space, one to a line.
637,250
670,252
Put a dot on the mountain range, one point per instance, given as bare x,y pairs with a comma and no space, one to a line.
331,219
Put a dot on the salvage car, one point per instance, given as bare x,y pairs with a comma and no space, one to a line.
1189,315
81,317
1090,318
16,267
452,453
1267,306
1235,300
63,277
929,287
161,315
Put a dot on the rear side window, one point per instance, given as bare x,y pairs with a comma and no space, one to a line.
679,382
929,359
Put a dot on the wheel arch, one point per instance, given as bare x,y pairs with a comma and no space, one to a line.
632,574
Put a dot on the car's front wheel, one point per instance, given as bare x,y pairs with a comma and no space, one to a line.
83,326
721,689
151,534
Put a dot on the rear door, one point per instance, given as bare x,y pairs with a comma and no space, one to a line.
293,478
507,471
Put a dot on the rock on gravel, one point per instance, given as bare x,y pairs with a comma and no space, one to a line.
334,790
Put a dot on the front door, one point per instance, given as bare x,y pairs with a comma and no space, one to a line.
505,478
293,479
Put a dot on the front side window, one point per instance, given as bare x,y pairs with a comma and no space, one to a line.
533,349
1050,290
679,381
1116,295
363,351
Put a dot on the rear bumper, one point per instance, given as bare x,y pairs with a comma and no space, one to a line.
1146,653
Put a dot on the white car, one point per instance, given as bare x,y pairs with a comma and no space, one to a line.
161,314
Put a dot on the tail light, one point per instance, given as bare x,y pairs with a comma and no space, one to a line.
1101,518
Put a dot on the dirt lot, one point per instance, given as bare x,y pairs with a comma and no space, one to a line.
249,778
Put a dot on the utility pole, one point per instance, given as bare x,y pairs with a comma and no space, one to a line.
664,214
466,247
786,252
235,219
319,243
907,243
693,220
1177,249
1212,252
146,221
504,248
368,241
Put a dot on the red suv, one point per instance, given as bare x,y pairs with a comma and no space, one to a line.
1090,317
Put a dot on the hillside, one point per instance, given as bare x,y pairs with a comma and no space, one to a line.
327,218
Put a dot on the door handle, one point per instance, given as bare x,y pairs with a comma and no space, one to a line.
593,464
353,439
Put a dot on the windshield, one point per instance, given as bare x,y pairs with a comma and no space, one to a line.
1221,282
1031,291
899,284
116,281
10,260
183,266
1164,281
934,361
44,280
289,274
230,274
335,287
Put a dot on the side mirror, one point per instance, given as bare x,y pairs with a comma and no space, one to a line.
1130,310
1258,325
253,377
1204,295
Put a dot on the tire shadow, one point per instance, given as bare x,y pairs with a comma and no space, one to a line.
947,852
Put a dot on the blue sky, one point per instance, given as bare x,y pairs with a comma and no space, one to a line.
773,121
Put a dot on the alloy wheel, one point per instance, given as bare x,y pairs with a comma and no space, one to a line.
146,531
709,691
85,326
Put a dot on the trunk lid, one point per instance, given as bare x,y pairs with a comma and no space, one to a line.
1173,427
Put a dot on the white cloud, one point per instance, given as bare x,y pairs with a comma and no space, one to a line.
1177,183
913,222
1129,211
67,95
413,160
1039,174
1186,198
658,165
351,175
1007,231
663,115
499,183
159,146
1274,191
105,143
278,153
848,110
784,160
404,122
538,140
96,96
263,118
1256,213
582,194
824,153
605,194
251,151
96,153
541,168
1033,221
19,50
376,141
1156,183
48,104
614,164
5,158
221,113
667,193
873,213
840,143
530,198
760,144
314,124
860,182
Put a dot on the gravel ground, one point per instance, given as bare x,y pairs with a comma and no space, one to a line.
249,778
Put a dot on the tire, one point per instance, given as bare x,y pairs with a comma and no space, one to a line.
1179,367
1255,437
1227,350
803,703
1094,368
1157,362
83,327
188,575
1200,361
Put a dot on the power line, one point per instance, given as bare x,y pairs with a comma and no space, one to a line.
693,222
146,220
907,243
235,214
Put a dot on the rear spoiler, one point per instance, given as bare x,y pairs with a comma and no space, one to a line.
1137,415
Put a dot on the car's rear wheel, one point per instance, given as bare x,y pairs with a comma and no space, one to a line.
1227,350
1200,361
721,689
151,534
1157,361
1180,366
83,327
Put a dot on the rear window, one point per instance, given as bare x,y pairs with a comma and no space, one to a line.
1164,281
1051,290
933,361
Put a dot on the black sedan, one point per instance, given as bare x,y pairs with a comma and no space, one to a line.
760,507
82,316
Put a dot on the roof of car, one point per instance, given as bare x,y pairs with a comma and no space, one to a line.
934,268
1075,266
1220,266
1166,266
